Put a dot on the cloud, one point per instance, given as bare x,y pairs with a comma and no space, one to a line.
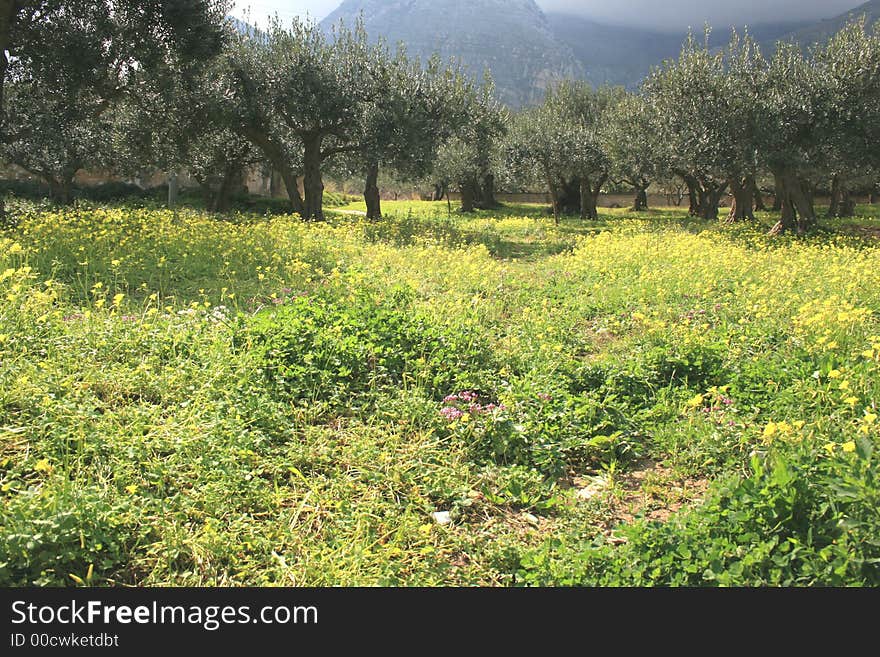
260,10
678,15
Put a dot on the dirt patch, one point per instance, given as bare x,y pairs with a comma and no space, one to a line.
866,232
649,489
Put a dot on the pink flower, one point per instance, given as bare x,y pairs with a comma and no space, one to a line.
451,413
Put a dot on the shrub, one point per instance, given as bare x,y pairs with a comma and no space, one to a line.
311,349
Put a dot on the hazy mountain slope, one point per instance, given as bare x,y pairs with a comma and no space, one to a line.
613,55
511,38
823,30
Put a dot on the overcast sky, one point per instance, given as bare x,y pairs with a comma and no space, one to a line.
672,15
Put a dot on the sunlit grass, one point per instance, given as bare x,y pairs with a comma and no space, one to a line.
144,430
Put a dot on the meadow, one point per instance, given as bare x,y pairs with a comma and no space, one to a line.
437,400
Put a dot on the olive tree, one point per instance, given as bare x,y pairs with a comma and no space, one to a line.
180,120
790,131
704,102
629,134
422,108
65,64
850,67
559,145
56,133
468,160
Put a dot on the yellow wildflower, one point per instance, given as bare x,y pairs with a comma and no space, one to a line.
696,402
43,465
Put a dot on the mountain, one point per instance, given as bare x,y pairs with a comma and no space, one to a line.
623,56
527,49
823,30
613,55
511,38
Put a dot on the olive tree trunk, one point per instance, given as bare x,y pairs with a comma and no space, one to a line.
709,197
743,190
796,203
693,195
640,203
570,196
60,191
842,203
487,193
313,183
371,192
233,177
758,198
586,192
469,190
777,193
591,200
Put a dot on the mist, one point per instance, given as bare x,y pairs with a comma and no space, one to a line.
666,16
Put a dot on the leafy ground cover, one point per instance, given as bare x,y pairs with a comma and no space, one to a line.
650,399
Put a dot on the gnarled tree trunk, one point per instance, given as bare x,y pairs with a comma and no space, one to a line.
778,193
640,203
743,190
795,196
469,190
439,191
592,197
60,190
586,193
313,184
693,186
640,189
275,154
275,184
569,200
233,177
709,195
759,199
487,193
371,192
842,203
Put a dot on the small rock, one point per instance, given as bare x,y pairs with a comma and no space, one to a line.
529,518
587,493
442,517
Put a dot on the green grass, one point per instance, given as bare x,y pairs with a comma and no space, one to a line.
245,400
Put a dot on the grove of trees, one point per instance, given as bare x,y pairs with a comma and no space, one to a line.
133,87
